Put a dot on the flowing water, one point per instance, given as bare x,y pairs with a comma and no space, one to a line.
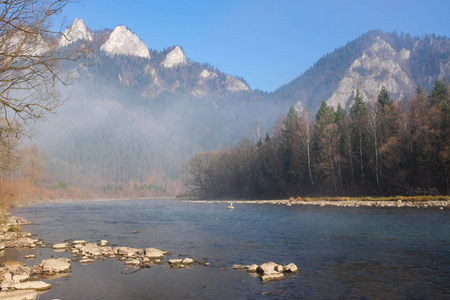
342,253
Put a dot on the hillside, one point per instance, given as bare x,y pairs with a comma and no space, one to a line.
376,59
135,114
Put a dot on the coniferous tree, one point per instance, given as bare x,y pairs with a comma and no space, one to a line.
384,99
289,128
358,113
327,146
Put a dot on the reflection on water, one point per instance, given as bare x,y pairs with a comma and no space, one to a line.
341,252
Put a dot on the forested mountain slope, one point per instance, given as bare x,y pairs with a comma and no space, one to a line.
398,62
135,114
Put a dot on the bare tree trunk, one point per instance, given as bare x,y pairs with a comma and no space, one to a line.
372,128
361,158
308,151
350,155
303,134
376,163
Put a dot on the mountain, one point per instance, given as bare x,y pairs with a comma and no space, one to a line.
375,59
78,31
134,114
122,41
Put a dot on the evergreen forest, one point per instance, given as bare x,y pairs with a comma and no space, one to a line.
376,147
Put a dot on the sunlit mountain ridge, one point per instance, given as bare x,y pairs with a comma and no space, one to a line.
136,114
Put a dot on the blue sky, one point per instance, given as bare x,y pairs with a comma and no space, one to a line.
267,42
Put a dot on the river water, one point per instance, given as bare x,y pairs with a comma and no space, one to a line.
342,253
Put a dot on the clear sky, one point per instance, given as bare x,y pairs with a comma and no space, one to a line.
267,42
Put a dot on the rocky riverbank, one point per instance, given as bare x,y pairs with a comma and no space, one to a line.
441,204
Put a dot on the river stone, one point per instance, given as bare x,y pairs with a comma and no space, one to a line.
279,268
90,247
12,264
104,243
175,261
252,268
272,277
127,251
61,246
87,261
133,262
153,253
268,268
240,267
55,265
79,242
187,261
18,295
24,242
2,246
17,221
20,278
8,282
33,285
291,268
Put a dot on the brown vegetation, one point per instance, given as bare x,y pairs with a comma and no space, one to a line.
379,148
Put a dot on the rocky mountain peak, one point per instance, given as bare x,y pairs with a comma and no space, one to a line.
123,42
175,58
207,74
235,85
78,31
378,66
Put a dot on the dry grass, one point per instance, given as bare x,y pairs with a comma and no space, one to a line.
20,192
390,198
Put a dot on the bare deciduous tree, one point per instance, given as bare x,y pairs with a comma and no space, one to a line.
303,136
30,65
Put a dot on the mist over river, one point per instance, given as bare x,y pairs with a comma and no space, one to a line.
368,253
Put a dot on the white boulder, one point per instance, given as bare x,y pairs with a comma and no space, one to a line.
33,285
175,261
291,268
269,268
252,268
61,246
272,277
55,265
154,253
79,242
187,261
20,278
18,295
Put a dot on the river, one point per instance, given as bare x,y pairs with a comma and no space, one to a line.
341,253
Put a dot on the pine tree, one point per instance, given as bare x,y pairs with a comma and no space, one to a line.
358,113
383,98
327,154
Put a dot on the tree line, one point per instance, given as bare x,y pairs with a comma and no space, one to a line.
377,147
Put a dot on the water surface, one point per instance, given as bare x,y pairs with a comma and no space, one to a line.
351,253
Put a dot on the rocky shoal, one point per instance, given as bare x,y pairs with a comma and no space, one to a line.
18,281
441,204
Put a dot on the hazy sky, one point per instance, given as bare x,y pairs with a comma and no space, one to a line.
267,42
